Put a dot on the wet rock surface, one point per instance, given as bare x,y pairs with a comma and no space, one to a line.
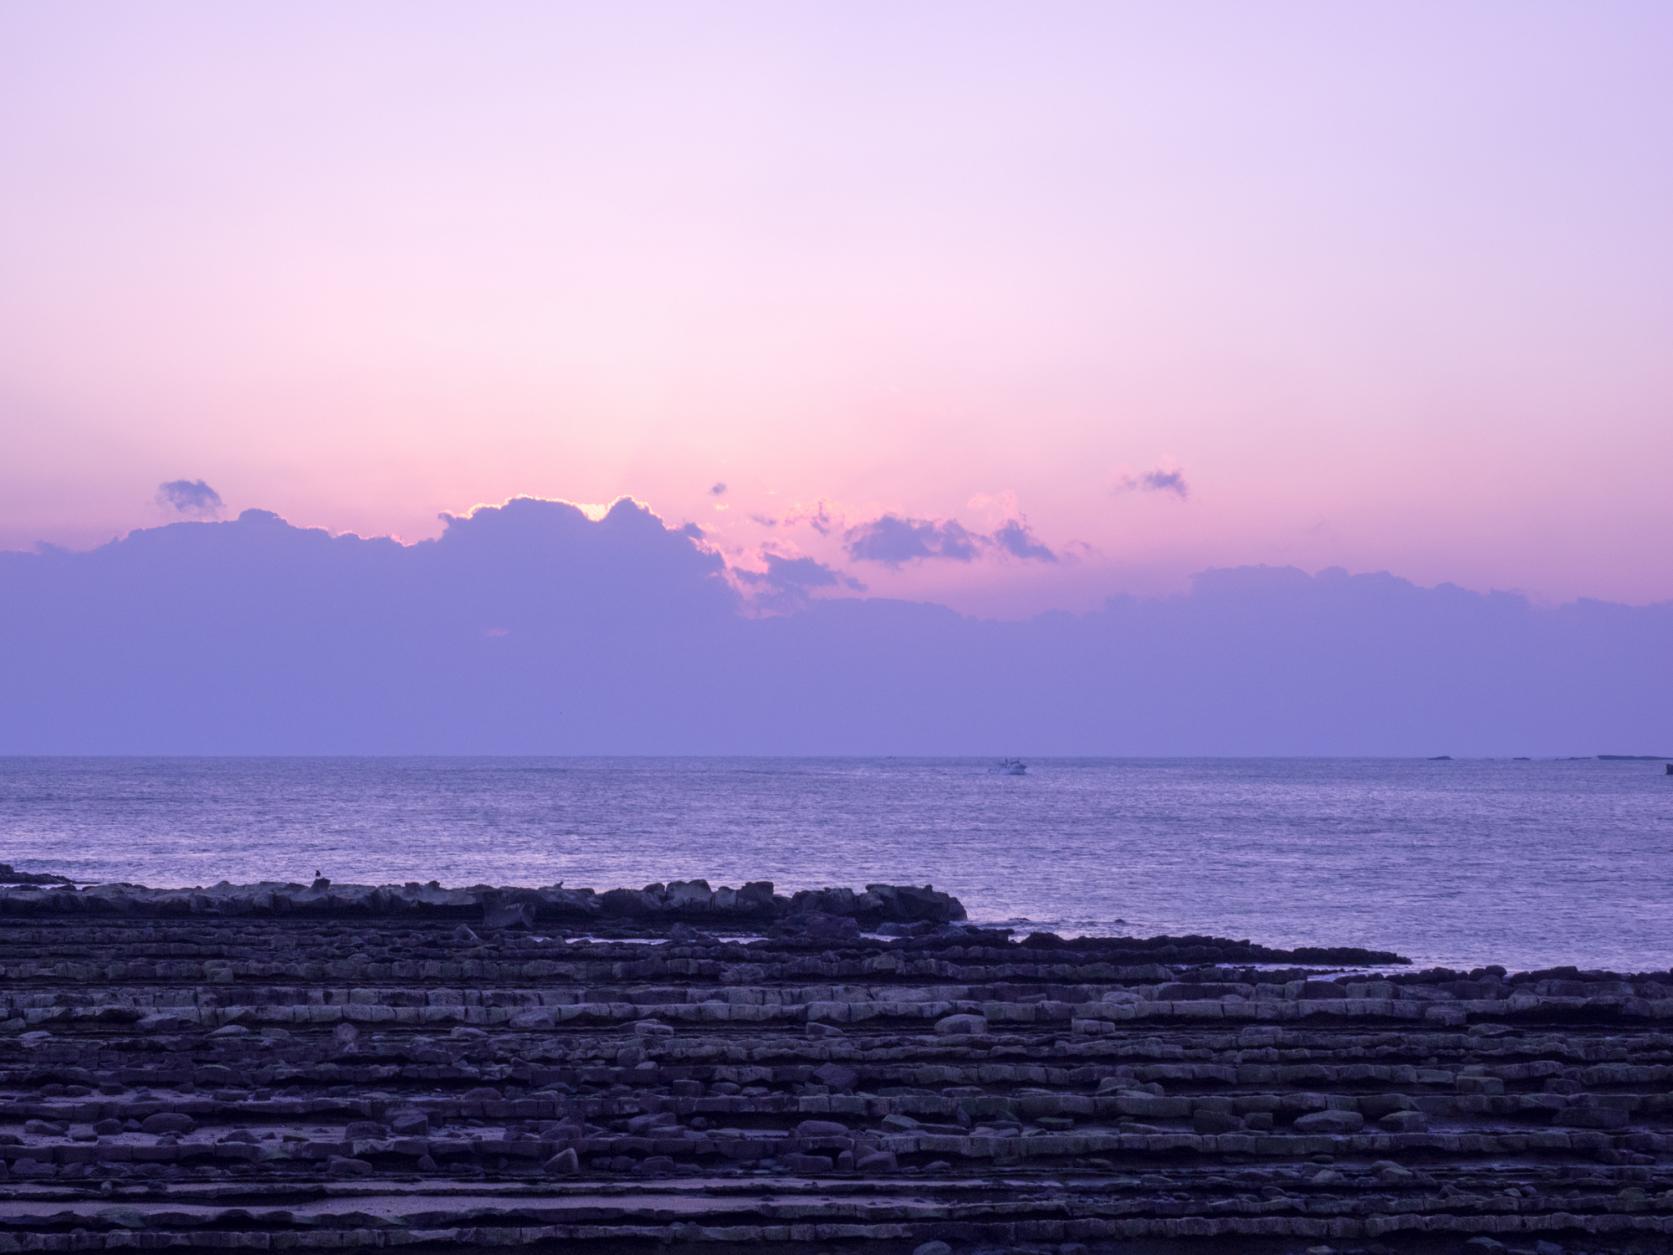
9,875
298,1067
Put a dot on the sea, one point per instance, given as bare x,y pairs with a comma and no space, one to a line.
1462,863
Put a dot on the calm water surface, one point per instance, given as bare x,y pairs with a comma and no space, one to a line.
1468,862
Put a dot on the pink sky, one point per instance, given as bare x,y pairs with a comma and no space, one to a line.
1390,285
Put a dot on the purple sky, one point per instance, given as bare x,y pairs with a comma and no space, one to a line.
1147,288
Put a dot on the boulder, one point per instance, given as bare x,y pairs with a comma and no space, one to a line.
507,914
1331,1120
689,896
409,1124
163,1022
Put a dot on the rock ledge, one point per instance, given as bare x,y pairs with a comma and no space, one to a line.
347,1067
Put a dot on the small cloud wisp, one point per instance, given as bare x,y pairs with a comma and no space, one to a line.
191,498
1161,479
894,540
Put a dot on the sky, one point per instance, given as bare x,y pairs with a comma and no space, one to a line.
1008,307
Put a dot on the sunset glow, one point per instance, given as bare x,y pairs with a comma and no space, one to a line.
1377,287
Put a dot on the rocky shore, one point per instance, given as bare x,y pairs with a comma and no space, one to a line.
351,1067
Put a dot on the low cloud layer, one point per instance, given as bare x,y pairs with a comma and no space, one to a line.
191,498
531,628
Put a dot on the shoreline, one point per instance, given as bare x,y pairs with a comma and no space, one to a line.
617,911
893,910
514,1068
1453,864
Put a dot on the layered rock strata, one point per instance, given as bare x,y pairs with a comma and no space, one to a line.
287,1067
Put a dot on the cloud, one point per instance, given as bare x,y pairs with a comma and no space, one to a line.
894,540
532,627
1015,538
717,489
1161,479
804,572
190,497
819,518
789,581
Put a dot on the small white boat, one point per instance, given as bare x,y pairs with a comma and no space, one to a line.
1012,767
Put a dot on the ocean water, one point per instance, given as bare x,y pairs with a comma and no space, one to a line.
1466,862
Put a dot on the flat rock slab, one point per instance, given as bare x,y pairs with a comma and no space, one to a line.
262,1067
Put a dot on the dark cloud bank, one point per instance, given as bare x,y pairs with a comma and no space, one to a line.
530,629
